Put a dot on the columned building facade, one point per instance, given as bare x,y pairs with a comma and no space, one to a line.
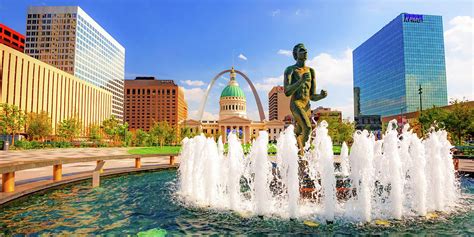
35,86
233,118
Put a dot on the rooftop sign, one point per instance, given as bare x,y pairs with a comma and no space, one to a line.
413,18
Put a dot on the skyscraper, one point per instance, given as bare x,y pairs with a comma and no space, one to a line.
278,104
69,39
392,64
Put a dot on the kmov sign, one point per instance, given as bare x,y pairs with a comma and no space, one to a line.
412,18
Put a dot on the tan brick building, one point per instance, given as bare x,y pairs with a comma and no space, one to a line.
278,104
35,86
148,100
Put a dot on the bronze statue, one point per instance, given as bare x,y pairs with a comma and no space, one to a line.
300,84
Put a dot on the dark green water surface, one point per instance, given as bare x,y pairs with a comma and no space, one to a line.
133,204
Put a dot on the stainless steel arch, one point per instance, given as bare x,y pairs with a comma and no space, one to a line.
254,91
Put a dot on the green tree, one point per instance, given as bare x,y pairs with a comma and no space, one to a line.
460,121
162,133
68,129
111,128
141,138
344,132
124,135
38,125
186,132
95,133
12,120
339,131
432,117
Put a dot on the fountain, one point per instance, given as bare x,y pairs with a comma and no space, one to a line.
390,178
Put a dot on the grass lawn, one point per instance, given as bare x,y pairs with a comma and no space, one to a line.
336,149
176,149
155,150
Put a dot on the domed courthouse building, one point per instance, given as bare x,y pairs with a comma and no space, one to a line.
233,115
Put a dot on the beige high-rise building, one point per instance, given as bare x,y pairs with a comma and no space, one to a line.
67,38
278,104
35,86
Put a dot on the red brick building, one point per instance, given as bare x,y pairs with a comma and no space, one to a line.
148,100
12,38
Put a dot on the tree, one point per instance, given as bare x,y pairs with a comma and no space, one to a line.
432,117
141,138
111,128
124,135
95,133
460,120
38,125
344,132
162,132
186,132
68,129
12,120
339,131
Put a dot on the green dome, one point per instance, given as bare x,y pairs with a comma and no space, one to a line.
233,91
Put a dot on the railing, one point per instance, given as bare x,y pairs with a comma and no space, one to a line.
8,169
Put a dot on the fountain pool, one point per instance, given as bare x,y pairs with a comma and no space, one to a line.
125,205
233,193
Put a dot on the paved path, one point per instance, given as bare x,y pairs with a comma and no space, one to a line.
41,154
44,173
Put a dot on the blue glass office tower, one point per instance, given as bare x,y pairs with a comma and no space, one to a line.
392,64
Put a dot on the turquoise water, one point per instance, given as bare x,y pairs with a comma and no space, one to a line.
143,202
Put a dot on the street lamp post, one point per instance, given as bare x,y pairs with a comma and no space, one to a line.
420,91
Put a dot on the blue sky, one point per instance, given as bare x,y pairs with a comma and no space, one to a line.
192,41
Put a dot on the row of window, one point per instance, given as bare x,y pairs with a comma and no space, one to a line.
8,33
151,91
232,107
49,15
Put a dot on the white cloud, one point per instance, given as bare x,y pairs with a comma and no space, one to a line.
333,74
193,83
193,114
331,70
285,52
458,40
276,12
268,83
241,56
193,96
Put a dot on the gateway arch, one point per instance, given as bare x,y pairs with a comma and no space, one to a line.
254,91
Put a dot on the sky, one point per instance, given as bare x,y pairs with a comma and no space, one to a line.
192,41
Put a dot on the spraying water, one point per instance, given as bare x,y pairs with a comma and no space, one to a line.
398,176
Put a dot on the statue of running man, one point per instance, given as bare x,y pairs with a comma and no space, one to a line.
300,84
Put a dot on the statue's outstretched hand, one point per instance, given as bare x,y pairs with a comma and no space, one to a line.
323,94
319,96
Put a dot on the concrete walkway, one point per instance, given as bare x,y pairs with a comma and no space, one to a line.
45,173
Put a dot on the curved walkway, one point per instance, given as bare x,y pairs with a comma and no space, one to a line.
42,177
